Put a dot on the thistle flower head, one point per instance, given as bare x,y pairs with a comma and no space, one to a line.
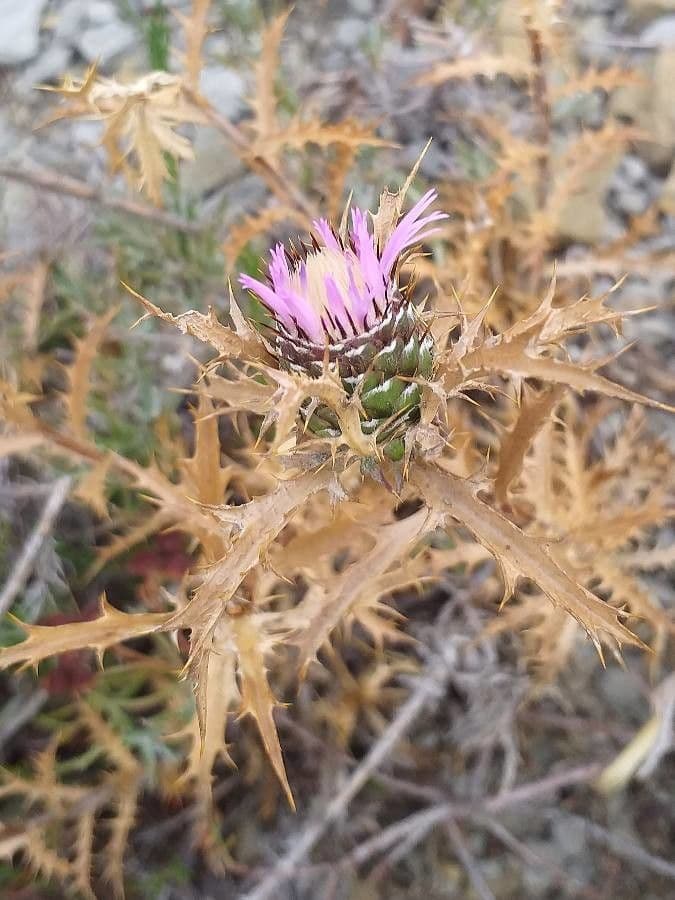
339,298
339,288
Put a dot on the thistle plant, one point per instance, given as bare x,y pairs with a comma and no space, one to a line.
378,441
339,300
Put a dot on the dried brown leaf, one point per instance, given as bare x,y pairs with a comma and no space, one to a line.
112,627
484,66
331,603
519,555
535,410
195,30
79,373
298,134
256,697
91,488
264,101
255,225
241,343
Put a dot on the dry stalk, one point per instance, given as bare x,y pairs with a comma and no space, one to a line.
430,686
59,183
36,539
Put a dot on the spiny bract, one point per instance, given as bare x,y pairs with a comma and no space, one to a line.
339,298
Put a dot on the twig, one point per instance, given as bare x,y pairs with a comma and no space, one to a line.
63,184
465,857
429,686
621,845
398,853
542,108
20,709
401,786
279,184
22,569
161,831
435,815
535,860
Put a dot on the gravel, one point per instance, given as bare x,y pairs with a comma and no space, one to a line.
19,30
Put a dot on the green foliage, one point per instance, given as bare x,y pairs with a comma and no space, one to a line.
158,37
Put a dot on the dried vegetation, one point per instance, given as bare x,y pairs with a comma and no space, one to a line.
300,552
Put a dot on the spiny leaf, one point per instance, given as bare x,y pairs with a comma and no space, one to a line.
330,604
91,488
535,410
483,66
79,373
519,555
207,328
139,121
216,693
195,29
241,392
512,359
256,697
335,179
254,225
256,525
264,101
204,479
295,389
110,628
299,133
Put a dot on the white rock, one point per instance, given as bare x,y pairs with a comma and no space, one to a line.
647,9
8,136
19,30
595,47
634,171
70,20
363,7
631,189
660,32
101,12
225,89
214,164
102,43
48,67
598,6
649,105
350,33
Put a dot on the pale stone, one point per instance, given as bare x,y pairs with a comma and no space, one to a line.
649,105
660,32
667,195
214,165
19,30
583,217
224,88
102,43
644,10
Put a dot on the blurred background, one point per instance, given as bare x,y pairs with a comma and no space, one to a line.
553,127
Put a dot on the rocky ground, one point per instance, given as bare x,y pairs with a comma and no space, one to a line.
360,58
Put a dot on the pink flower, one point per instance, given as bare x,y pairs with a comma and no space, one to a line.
339,289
